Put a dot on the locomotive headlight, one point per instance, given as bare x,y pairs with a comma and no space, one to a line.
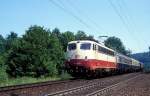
86,58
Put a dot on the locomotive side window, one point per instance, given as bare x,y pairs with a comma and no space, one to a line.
105,51
99,49
72,46
111,53
85,46
93,47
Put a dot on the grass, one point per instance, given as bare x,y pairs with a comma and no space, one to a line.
27,80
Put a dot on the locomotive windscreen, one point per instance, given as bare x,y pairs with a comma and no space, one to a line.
72,46
85,46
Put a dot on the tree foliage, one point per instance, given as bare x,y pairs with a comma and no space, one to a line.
116,44
36,54
80,35
67,37
57,53
2,44
10,40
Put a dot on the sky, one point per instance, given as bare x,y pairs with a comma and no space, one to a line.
127,19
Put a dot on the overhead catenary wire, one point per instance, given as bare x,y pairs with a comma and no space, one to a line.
81,12
63,8
120,16
127,11
89,18
123,20
72,14
96,27
130,17
129,21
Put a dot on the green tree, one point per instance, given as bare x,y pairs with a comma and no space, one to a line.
57,53
10,39
67,37
57,33
80,35
33,54
3,74
12,35
129,52
90,37
2,44
16,60
115,44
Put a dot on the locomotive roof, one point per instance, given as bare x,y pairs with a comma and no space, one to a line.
121,55
133,59
101,44
82,41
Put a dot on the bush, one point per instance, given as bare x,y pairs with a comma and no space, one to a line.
65,75
37,53
3,75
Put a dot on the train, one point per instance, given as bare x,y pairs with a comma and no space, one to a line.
90,58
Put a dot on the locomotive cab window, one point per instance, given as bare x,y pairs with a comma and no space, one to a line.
85,46
72,46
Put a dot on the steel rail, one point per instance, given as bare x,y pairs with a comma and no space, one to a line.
76,89
109,88
65,92
30,85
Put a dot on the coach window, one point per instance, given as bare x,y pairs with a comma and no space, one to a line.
72,46
85,46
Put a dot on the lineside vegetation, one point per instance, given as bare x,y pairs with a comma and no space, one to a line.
39,54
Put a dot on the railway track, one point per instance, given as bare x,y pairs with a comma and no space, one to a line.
65,92
89,86
137,87
103,91
62,88
13,90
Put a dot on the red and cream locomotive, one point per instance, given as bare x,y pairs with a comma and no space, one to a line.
86,57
